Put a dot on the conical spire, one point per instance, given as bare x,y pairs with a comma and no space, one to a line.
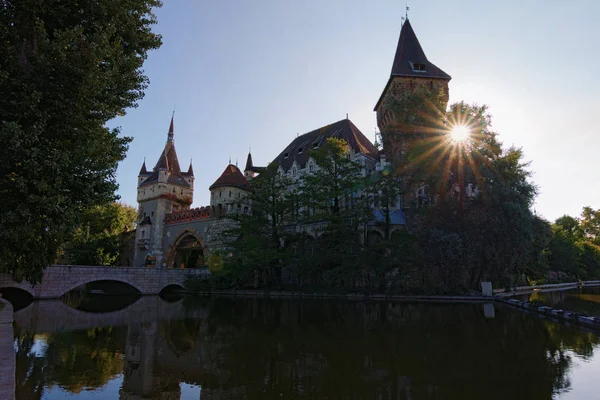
171,134
410,59
249,164
143,170
190,171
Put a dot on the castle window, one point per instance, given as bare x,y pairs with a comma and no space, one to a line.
152,214
294,171
286,155
220,193
310,167
300,150
418,67
230,193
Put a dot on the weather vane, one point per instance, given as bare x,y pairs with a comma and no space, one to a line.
407,9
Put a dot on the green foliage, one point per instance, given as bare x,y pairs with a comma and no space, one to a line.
258,254
66,69
573,251
97,238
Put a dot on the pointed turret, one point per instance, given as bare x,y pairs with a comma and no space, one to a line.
143,170
410,59
171,134
167,167
249,165
190,171
411,63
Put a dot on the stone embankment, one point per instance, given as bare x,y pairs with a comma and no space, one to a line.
7,352
541,309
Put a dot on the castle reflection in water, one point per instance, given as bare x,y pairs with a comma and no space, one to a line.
258,348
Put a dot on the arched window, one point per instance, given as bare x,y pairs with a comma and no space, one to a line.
294,171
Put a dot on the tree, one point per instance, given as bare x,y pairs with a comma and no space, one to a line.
259,237
67,68
334,196
479,212
590,224
97,238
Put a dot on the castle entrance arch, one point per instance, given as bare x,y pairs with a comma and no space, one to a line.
188,251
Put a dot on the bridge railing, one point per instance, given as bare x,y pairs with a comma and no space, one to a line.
552,286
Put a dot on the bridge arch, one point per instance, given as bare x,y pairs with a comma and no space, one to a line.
86,281
189,250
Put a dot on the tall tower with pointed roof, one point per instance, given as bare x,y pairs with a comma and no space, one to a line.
411,71
161,191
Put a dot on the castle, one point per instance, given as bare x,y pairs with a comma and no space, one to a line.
171,234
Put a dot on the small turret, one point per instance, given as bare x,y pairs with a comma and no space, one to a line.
229,192
189,175
144,174
249,169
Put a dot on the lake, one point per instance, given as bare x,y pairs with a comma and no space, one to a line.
582,300
99,347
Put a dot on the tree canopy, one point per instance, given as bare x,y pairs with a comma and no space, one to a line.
66,69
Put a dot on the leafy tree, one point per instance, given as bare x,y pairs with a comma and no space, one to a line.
67,68
479,208
97,238
334,195
258,252
590,224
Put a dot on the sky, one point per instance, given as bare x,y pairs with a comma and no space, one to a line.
243,74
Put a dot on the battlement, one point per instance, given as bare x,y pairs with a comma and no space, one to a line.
194,214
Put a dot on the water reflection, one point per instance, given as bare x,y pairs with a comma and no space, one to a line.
583,300
256,348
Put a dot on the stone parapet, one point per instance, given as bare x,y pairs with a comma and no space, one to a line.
60,279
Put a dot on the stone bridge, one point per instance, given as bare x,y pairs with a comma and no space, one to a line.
60,279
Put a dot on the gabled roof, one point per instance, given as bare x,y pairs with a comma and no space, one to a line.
168,161
410,60
232,176
300,148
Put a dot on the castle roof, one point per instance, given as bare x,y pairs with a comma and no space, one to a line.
299,149
232,176
410,59
168,161
143,170
249,165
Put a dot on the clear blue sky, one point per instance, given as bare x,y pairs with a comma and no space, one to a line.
256,73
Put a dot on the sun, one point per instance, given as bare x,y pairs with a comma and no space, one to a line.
460,133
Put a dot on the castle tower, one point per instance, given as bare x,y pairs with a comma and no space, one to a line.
229,193
411,73
164,190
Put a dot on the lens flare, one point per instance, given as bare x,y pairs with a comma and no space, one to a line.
460,133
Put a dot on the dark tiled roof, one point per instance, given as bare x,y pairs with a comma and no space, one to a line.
408,54
248,163
190,171
143,170
168,160
301,147
232,176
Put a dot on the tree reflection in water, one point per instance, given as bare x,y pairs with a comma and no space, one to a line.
251,348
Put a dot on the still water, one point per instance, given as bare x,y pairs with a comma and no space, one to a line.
582,300
225,348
